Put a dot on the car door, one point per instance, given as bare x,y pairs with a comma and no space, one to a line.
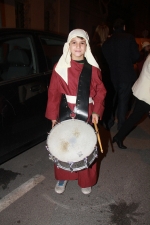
23,95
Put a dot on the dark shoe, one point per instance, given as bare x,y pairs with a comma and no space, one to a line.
119,143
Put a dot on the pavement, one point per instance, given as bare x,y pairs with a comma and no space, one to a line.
120,197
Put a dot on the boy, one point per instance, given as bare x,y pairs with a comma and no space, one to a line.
76,66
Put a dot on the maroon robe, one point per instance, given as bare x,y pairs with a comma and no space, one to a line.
86,177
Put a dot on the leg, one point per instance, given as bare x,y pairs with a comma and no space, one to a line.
88,178
139,110
111,105
108,115
62,176
124,93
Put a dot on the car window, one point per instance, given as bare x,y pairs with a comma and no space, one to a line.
16,58
53,50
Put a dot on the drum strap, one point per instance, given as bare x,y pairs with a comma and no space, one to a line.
64,110
82,101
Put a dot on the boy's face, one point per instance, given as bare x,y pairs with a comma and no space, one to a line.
77,48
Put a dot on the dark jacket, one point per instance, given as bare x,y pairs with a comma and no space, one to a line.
121,52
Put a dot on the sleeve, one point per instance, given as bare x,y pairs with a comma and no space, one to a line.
99,92
54,97
148,69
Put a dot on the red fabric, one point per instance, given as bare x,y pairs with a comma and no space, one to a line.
87,177
58,86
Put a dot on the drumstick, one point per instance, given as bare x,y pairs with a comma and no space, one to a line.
98,136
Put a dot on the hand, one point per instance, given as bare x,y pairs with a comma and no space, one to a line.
54,123
95,118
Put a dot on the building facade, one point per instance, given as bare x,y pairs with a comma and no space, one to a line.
52,15
62,16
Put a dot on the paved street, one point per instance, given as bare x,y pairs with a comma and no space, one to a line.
121,196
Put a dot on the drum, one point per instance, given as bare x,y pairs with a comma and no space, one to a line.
72,145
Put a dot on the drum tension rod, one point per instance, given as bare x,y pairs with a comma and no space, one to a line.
70,165
86,162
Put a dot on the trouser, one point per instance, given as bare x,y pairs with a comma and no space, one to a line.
122,97
140,109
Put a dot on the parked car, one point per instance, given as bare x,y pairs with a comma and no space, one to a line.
26,61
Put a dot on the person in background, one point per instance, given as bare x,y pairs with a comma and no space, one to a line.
141,90
143,55
65,80
100,36
121,52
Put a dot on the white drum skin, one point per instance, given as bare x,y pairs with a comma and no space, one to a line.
70,143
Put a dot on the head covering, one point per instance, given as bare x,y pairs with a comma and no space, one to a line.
145,43
65,61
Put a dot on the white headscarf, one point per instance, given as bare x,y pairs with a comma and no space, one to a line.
64,62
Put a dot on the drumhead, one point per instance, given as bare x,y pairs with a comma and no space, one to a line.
71,140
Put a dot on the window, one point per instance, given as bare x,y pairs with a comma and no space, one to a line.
16,58
53,50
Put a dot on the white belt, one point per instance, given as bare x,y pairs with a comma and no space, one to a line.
72,99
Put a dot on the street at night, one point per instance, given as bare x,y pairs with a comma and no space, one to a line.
121,196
